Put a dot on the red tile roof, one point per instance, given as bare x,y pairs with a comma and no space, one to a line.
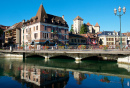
17,25
78,18
88,24
84,35
127,34
97,25
4,27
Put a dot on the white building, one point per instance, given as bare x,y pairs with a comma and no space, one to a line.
112,38
77,23
93,29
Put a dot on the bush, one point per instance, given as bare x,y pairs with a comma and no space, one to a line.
81,47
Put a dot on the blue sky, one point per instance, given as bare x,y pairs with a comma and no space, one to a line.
92,11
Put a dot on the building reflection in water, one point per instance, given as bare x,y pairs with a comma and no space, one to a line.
79,77
46,78
49,77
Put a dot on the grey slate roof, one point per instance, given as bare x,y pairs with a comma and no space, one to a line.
109,33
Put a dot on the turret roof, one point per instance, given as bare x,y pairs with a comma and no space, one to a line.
97,25
88,24
78,18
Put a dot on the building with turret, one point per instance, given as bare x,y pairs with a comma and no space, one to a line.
77,23
93,29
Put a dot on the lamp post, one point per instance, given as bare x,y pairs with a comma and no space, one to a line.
23,27
115,12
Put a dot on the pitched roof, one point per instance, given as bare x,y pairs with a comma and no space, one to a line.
76,35
109,33
4,27
43,17
85,35
17,25
127,34
97,25
88,24
41,13
78,18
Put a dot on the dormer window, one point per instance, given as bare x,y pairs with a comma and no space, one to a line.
109,33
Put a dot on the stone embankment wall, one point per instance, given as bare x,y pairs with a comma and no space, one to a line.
125,60
2,55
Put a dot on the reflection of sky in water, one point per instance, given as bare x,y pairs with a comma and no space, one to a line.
8,82
94,81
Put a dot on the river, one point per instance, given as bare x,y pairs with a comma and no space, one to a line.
36,72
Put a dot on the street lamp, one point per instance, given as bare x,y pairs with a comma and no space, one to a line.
115,12
23,27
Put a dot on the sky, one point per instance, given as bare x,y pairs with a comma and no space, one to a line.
92,11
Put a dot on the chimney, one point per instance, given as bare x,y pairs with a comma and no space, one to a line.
63,17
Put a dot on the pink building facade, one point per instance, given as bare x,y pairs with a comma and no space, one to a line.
45,29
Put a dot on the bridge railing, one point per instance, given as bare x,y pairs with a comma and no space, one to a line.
69,48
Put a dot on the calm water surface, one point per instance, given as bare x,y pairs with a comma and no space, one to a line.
62,73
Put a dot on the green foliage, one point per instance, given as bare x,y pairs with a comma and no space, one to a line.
11,41
100,42
105,48
83,29
1,32
71,30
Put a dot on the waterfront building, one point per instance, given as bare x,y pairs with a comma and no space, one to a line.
77,23
2,36
13,35
91,38
45,29
93,29
83,39
76,39
112,38
128,37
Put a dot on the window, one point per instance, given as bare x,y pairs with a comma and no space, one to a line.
59,36
65,30
26,30
45,27
59,29
71,40
65,37
36,27
52,30
51,35
78,40
47,35
36,80
43,35
75,40
35,35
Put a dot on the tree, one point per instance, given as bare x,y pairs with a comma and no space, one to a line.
1,32
84,29
11,41
100,42
71,30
